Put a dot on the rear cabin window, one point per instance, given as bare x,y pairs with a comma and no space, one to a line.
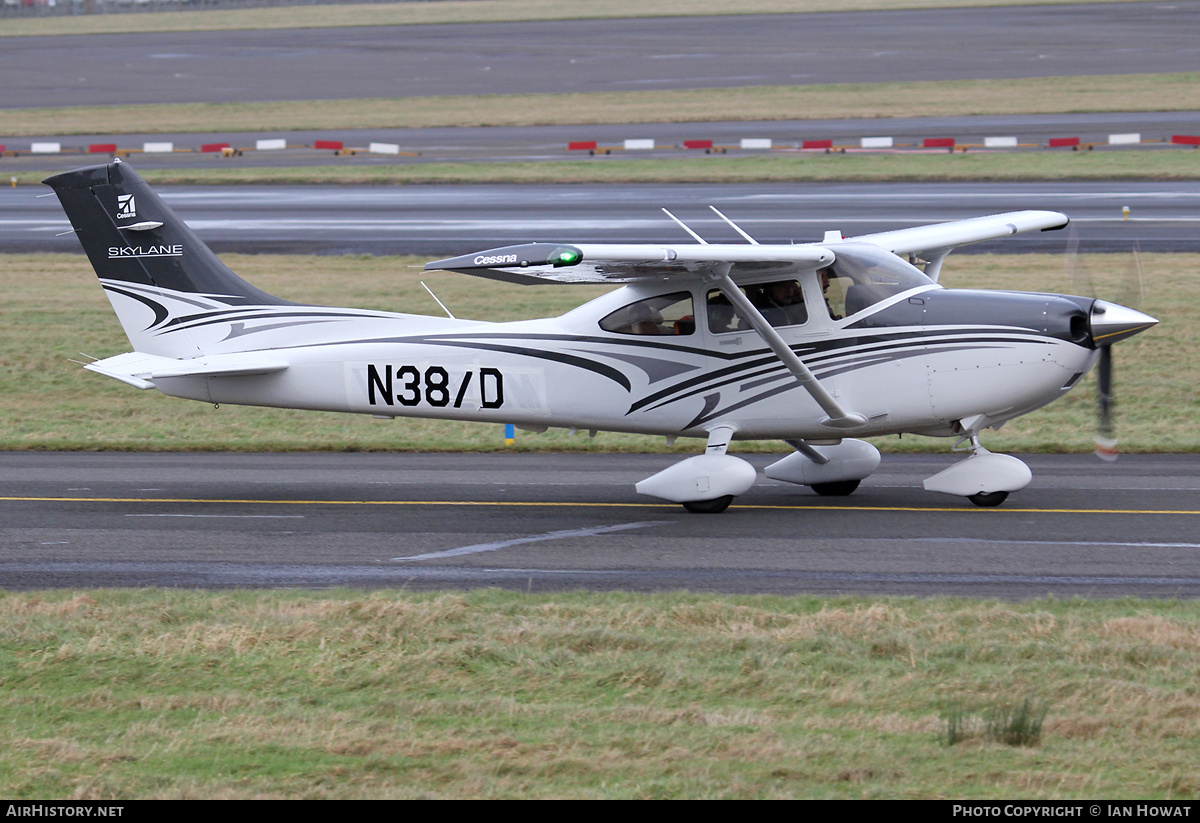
663,314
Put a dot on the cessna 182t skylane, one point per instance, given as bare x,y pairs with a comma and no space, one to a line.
810,343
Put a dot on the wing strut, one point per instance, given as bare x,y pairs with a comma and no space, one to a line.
838,417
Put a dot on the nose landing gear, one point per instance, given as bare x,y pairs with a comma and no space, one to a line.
984,478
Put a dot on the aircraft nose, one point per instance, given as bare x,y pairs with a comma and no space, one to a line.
1111,322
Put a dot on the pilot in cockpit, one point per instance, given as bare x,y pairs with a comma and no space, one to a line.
824,275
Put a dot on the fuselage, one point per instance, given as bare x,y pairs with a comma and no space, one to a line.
918,361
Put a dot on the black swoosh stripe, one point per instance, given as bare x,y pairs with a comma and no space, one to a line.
195,321
160,311
821,367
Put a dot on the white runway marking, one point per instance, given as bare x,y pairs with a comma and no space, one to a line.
516,541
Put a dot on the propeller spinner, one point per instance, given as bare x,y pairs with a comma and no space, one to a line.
1109,324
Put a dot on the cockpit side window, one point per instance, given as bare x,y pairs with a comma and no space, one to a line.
658,315
862,276
781,303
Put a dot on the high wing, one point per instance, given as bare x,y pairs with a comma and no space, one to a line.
611,263
945,236
932,243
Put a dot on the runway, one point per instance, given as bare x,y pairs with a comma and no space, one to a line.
600,55
437,221
554,522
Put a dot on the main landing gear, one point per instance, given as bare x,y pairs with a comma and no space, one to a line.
831,469
715,506
707,483
841,488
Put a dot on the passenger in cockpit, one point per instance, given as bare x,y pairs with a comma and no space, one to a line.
782,303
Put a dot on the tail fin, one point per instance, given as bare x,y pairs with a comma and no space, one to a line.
155,270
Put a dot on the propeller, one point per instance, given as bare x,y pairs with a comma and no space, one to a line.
1109,323
1106,442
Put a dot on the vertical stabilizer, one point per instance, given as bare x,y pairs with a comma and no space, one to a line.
155,270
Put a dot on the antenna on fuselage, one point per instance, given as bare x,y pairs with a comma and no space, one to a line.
439,302
734,226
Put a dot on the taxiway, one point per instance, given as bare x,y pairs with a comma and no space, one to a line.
552,522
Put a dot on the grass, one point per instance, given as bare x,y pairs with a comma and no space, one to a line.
451,11
1017,724
1005,721
946,98
342,694
53,309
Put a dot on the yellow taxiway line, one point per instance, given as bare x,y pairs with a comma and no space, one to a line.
738,506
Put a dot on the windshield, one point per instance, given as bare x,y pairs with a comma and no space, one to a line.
863,275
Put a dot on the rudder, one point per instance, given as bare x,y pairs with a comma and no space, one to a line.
146,257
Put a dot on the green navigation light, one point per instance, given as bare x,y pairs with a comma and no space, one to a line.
566,257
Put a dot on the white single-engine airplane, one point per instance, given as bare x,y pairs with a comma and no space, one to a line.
807,343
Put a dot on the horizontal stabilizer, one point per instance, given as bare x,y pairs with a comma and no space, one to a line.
611,263
141,370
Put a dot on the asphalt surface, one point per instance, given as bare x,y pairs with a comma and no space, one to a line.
552,522
438,221
600,55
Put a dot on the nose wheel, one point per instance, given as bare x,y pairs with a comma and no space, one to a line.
988,499
984,478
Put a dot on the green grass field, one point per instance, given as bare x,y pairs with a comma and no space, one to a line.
54,309
1135,92
178,694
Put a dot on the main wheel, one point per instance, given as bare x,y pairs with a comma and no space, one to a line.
839,488
716,506
988,499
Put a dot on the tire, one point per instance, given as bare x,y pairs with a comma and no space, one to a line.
840,488
988,499
716,506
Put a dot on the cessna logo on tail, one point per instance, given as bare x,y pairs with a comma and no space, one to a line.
125,206
174,250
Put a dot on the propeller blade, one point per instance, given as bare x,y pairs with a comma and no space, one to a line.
1079,280
1133,289
1106,443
